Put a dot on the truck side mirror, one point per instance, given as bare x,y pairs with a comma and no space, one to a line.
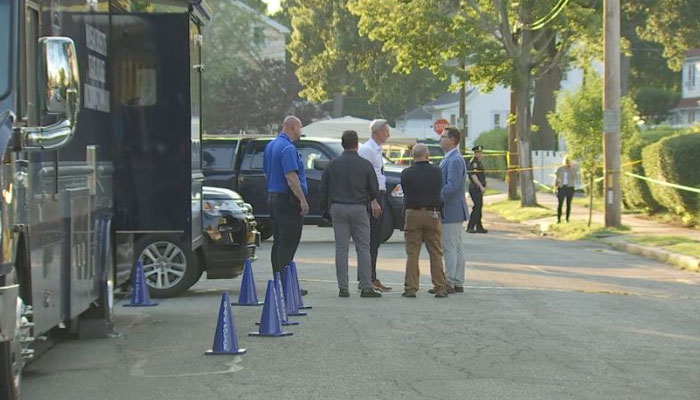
320,165
59,94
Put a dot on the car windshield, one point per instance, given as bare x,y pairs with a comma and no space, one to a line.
337,149
5,58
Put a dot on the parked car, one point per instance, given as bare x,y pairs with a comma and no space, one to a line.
400,153
235,162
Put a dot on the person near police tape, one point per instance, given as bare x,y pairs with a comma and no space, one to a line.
287,190
371,150
348,186
477,187
454,180
422,183
565,183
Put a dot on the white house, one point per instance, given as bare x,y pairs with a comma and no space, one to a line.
272,34
687,111
485,110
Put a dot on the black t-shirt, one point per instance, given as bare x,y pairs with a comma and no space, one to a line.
476,167
421,183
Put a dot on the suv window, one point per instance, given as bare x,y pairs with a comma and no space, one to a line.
5,15
218,156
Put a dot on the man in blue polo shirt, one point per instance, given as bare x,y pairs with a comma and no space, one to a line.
287,190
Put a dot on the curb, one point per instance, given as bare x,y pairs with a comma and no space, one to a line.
684,262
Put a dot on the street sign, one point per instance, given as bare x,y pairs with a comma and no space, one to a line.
440,125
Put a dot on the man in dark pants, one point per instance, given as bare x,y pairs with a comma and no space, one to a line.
348,186
371,150
287,190
477,186
422,184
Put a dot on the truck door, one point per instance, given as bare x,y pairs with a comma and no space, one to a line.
196,132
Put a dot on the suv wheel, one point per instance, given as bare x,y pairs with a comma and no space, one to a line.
169,266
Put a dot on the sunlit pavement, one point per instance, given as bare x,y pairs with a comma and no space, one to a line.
539,319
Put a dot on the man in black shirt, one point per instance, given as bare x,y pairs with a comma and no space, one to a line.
421,185
477,186
348,185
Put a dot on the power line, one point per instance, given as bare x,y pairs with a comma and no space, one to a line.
553,13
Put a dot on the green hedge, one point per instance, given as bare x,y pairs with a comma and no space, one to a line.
636,194
496,139
673,160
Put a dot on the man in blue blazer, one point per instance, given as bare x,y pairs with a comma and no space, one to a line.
454,178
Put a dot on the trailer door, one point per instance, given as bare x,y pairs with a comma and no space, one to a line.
196,132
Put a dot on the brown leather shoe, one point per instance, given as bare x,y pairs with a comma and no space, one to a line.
449,289
378,284
459,289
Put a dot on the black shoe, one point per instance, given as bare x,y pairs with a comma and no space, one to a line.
441,294
471,230
304,292
343,293
431,291
459,289
370,293
408,294
482,230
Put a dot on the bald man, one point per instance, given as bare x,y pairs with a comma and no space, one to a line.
422,183
287,190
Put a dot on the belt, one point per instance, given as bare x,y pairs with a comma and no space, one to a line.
424,208
278,194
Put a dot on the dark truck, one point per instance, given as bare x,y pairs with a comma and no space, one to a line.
100,142
235,162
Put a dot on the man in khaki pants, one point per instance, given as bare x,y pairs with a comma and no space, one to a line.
421,185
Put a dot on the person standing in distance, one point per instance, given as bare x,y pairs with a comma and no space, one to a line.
477,187
347,187
454,180
565,184
287,190
421,185
371,150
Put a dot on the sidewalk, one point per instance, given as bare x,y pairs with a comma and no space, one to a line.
639,226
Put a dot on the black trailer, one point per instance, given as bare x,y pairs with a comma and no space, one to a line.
100,132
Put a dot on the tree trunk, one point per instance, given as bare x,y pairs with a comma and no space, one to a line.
338,100
590,201
512,155
545,102
522,105
625,67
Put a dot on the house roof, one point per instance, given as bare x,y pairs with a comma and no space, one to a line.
692,53
416,113
264,18
447,98
690,102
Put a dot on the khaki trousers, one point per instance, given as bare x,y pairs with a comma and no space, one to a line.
423,227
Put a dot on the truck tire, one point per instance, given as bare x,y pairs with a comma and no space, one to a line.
265,229
9,382
387,226
169,265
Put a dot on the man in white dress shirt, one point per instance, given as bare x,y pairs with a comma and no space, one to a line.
371,150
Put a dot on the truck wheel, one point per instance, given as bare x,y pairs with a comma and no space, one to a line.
170,267
11,357
265,229
387,225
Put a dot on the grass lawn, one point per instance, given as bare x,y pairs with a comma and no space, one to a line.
511,210
676,244
598,204
579,230
490,191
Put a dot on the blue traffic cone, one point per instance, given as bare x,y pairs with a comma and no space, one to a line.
289,298
225,340
248,296
139,289
297,292
270,324
281,304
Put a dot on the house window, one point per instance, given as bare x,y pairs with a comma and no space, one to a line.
691,76
691,116
496,121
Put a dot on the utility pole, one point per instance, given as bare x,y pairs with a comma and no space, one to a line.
463,112
611,112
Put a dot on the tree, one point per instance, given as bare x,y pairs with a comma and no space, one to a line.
672,23
334,61
502,41
242,91
579,117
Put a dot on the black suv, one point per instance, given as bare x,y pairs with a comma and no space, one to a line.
235,162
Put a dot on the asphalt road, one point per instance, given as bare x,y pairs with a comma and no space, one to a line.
540,319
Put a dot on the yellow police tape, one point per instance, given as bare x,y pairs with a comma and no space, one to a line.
673,185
